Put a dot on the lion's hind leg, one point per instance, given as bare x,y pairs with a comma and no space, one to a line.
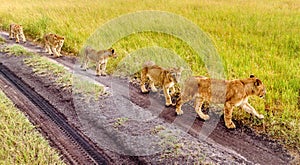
248,108
228,108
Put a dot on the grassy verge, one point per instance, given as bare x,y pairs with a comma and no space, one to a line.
16,50
20,142
62,77
252,37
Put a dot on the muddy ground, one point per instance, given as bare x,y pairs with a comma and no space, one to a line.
125,122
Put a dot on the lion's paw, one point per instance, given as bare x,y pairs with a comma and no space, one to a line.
205,117
260,116
231,125
179,112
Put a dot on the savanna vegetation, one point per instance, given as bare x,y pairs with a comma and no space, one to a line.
260,37
20,142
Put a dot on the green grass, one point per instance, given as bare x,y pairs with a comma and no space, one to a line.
120,121
64,78
16,50
44,67
259,37
2,40
20,142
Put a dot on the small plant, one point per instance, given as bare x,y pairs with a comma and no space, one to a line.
120,121
2,40
157,129
89,88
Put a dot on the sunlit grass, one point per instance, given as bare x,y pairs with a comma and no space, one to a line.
20,142
16,50
260,37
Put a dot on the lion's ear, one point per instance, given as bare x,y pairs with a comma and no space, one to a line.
181,69
112,50
257,82
173,75
252,76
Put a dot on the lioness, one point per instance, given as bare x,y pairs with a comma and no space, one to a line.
100,57
15,31
53,44
231,93
162,77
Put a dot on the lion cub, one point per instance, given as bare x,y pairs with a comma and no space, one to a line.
15,31
162,77
100,57
230,93
53,44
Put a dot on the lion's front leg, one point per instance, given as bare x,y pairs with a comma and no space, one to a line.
59,50
48,49
198,105
11,34
103,68
172,90
84,64
53,49
248,108
23,37
143,81
17,38
180,101
98,69
167,96
228,108
152,86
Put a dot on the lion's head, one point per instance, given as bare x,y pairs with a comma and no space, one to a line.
112,53
258,87
176,74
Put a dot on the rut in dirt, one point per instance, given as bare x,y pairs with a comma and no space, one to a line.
51,112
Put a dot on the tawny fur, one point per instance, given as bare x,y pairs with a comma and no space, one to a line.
53,44
16,31
230,93
166,78
100,57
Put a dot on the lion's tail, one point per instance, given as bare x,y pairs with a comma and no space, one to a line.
148,64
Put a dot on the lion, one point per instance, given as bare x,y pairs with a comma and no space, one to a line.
162,77
100,57
230,93
15,31
53,44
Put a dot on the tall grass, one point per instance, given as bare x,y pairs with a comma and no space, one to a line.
20,142
260,37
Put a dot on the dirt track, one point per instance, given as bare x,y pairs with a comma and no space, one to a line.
223,146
